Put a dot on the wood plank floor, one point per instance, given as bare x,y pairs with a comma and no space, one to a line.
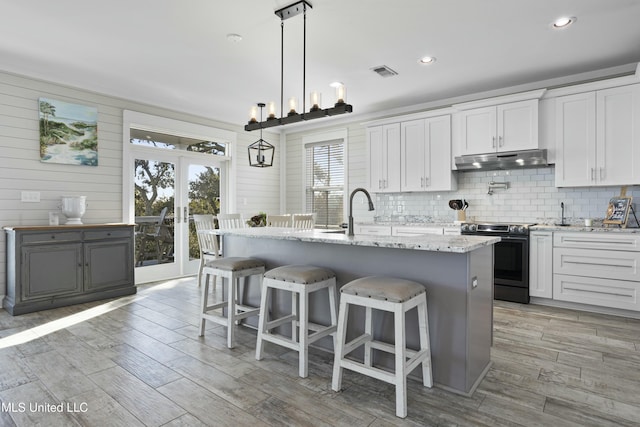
137,361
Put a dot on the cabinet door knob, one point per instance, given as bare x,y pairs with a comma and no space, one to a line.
108,234
53,236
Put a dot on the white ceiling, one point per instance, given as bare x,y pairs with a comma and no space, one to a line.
175,54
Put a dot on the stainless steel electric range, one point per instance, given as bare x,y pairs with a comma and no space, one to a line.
511,258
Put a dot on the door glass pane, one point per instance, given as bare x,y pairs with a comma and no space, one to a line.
154,206
174,142
204,198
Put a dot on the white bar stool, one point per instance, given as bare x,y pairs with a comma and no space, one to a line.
397,296
300,280
232,269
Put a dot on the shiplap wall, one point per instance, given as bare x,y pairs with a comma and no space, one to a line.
357,169
257,189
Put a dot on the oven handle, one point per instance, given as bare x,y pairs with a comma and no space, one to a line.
515,238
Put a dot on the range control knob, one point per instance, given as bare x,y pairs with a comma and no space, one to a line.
464,227
473,227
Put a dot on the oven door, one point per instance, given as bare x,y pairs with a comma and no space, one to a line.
511,269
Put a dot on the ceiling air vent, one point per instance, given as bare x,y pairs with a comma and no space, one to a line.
384,71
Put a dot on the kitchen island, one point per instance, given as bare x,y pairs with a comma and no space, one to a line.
457,272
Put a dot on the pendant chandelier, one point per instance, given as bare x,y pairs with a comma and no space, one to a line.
261,152
293,116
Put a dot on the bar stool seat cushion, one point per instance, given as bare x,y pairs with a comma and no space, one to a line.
302,274
384,288
234,263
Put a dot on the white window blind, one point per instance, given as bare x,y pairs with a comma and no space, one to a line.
325,182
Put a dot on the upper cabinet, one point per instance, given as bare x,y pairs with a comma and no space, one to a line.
384,158
598,137
425,155
504,127
413,154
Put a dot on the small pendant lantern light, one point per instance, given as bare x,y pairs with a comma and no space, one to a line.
260,152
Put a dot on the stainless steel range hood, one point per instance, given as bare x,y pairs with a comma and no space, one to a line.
506,160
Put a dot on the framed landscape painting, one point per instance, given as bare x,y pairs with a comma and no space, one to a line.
68,133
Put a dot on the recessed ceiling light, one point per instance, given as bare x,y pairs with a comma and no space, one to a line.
427,60
234,38
564,22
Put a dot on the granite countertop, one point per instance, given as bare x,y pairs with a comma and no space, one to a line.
434,243
582,228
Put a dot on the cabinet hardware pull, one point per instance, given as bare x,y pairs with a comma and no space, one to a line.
601,174
617,242
593,174
596,292
500,142
185,217
421,182
426,181
493,142
53,236
600,264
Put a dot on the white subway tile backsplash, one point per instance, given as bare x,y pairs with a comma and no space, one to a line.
531,197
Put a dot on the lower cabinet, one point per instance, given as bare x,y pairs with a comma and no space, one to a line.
541,264
50,267
601,269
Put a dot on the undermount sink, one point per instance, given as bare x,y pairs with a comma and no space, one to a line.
334,231
562,225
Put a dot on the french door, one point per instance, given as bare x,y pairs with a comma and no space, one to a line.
169,187
171,171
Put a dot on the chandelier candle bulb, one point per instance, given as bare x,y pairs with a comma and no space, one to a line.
341,94
315,100
253,114
271,111
293,106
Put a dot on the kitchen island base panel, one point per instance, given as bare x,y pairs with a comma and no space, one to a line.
459,290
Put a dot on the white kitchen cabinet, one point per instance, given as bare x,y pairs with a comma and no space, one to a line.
498,128
598,138
372,230
425,155
601,269
541,264
384,158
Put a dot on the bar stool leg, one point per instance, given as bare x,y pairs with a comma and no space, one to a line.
423,323
341,335
231,312
332,309
401,377
296,316
263,320
303,333
205,302
368,329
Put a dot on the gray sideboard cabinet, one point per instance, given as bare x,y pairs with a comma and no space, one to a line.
54,266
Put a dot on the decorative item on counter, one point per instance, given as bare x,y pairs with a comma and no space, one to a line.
618,210
73,207
460,206
259,220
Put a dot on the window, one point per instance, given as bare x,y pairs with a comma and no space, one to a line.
325,182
